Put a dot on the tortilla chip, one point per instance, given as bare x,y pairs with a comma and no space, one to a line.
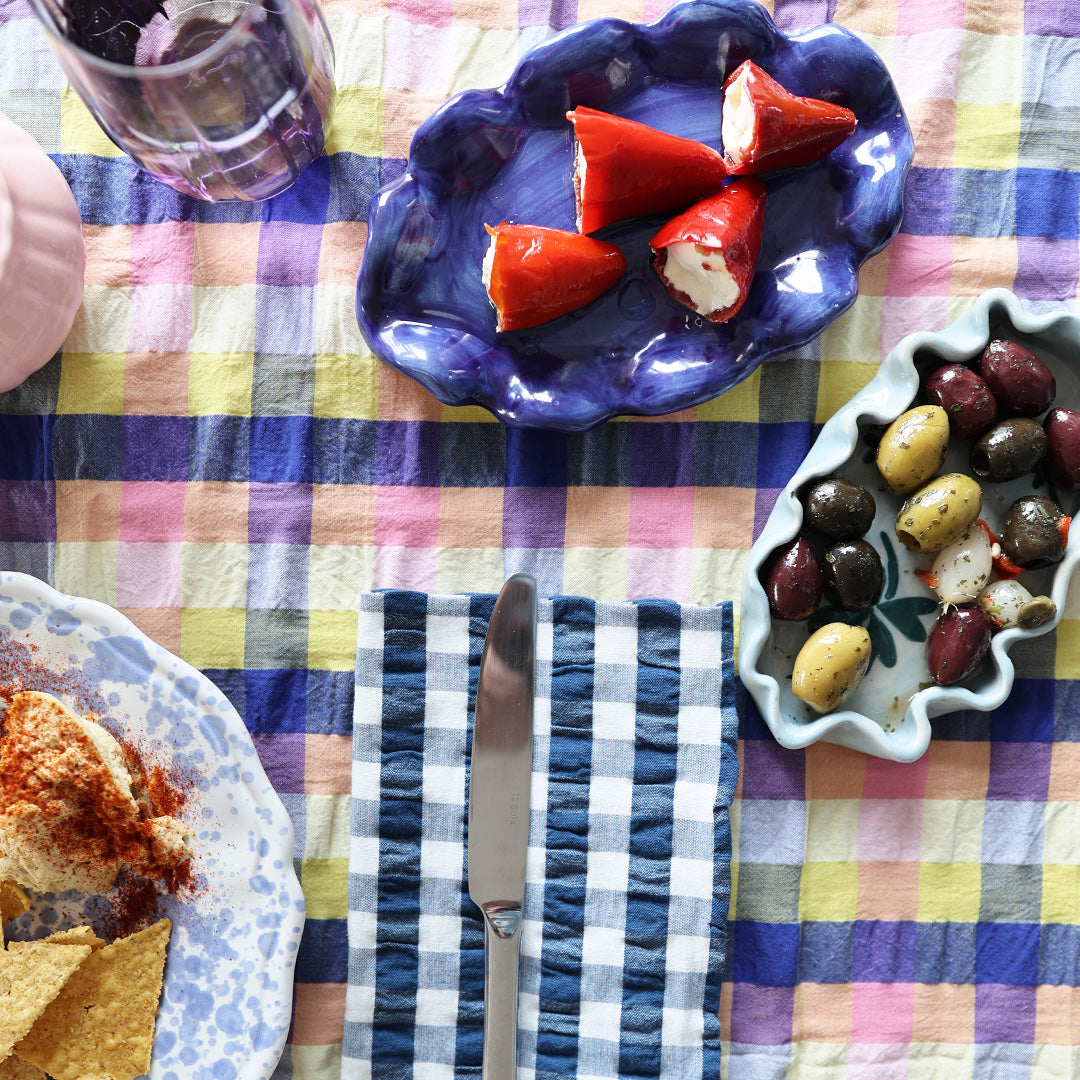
13,902
14,1068
101,1027
77,935
31,975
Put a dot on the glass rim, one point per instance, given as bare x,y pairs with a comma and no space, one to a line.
147,71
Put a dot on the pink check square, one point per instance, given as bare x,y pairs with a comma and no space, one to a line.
661,517
407,517
919,266
918,16
152,511
882,1013
162,254
148,575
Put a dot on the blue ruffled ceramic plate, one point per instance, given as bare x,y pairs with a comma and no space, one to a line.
227,999
889,714
490,155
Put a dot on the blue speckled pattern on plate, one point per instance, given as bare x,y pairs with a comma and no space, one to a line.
889,713
227,999
490,155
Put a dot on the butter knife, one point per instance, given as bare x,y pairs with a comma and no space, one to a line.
500,773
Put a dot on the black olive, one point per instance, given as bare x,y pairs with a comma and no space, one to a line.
1031,535
839,509
1009,449
853,574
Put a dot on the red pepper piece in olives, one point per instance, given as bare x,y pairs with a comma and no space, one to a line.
793,582
839,509
853,574
1020,382
1063,448
957,643
1009,450
964,396
1033,532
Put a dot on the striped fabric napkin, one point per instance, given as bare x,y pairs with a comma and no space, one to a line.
628,875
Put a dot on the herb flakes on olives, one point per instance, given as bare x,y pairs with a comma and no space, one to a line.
852,574
1034,532
964,396
957,644
839,509
1009,449
1021,383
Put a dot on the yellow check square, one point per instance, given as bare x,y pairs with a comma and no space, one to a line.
828,891
326,887
1060,894
357,126
987,136
332,640
213,637
949,892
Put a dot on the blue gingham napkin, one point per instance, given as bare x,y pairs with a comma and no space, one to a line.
628,875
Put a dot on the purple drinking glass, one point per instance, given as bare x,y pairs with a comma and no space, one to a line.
223,99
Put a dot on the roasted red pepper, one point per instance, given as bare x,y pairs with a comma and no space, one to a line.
623,169
766,127
706,257
1004,567
534,274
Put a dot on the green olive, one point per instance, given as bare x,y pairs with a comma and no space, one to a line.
913,448
939,513
830,665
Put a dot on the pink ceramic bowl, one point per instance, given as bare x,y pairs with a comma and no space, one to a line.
42,257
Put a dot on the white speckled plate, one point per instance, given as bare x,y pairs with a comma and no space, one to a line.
227,1000
890,712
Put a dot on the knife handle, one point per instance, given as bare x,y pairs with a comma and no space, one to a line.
501,952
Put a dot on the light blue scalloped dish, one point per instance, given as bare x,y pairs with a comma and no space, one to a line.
889,714
227,1000
490,155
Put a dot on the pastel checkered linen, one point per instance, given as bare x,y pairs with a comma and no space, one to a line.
628,874
217,454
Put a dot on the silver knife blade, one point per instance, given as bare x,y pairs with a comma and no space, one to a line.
500,774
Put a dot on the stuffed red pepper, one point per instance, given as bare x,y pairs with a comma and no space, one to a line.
765,127
706,257
623,169
533,274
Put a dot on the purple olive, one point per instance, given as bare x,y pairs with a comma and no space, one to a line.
1022,384
793,582
964,396
1009,449
1063,449
957,644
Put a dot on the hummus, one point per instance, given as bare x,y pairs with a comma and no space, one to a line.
71,812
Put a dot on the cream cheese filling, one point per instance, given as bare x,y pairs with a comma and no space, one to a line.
702,274
737,121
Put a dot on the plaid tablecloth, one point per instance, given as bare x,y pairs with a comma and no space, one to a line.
217,455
